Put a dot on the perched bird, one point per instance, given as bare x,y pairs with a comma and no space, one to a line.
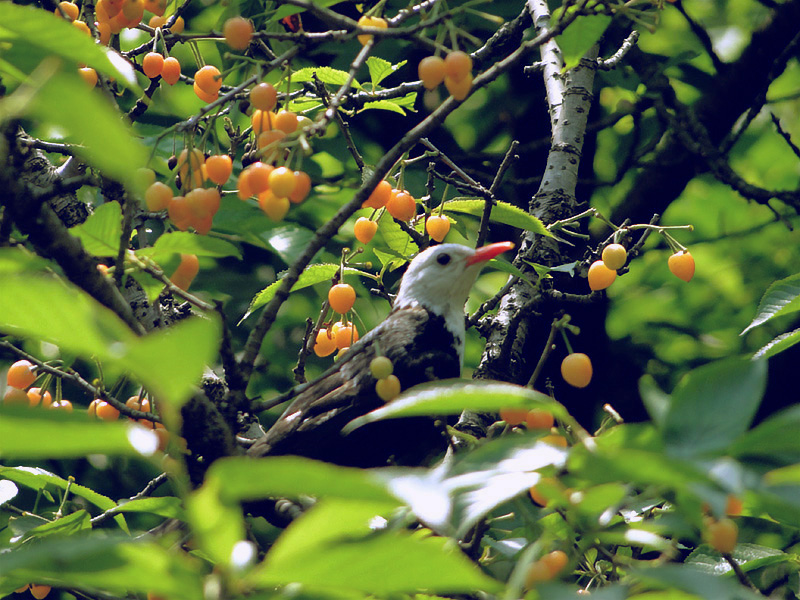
423,336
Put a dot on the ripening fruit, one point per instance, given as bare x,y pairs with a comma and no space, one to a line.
600,276
341,297
722,535
431,71
136,403
152,64
35,397
548,488
21,374
39,591
576,369
157,7
274,207
157,196
83,27
70,10
238,32
302,187
537,572
89,75
437,227
243,185
388,388
178,25
513,416
457,65
282,182
733,506
268,138
262,120
14,396
345,335
379,196
104,10
207,97
681,264
264,96
539,419
614,256
258,177
103,31
62,405
325,343
286,121
458,89
219,168
133,11
208,79
179,212
556,561
366,21
22,589
187,270
365,230
402,206
171,71
381,367
555,440
103,410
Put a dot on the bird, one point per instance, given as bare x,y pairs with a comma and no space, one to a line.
423,336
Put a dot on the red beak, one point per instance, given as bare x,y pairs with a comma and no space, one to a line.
489,252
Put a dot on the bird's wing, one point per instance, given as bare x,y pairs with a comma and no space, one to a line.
421,349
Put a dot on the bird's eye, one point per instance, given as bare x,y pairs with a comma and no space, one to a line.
443,259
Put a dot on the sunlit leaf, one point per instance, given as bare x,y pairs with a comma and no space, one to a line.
182,242
325,75
100,233
502,212
781,298
778,345
579,36
217,526
380,69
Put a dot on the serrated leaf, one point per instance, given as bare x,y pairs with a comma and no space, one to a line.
68,525
502,212
394,237
579,36
325,74
781,298
778,345
100,233
30,26
384,105
183,242
380,69
312,275
286,10
452,396
748,556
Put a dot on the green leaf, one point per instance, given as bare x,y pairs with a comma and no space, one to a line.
216,525
394,237
113,565
100,233
68,525
291,477
389,105
452,396
163,506
769,438
170,362
583,33
285,10
748,556
26,310
313,275
41,480
89,120
654,399
502,212
29,434
454,497
689,579
380,69
182,242
325,75
781,298
778,345
340,545
287,241
713,405
34,31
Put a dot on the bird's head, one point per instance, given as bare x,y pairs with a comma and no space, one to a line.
440,278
